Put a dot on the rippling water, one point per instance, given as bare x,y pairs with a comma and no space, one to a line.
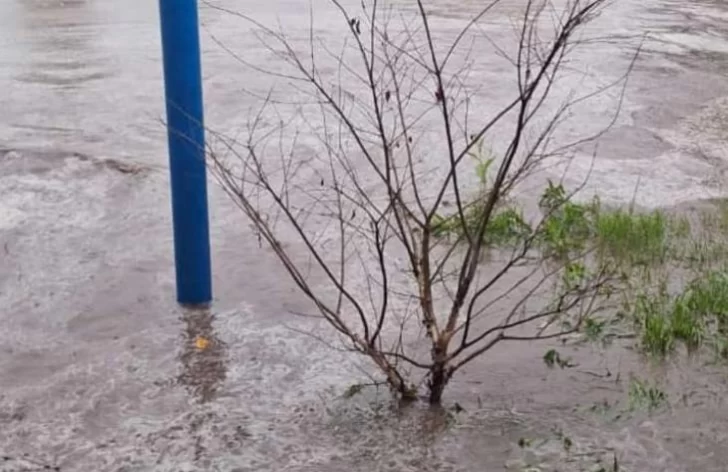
100,371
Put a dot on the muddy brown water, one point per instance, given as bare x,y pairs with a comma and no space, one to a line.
99,370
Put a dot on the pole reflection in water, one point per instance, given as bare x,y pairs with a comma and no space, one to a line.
203,357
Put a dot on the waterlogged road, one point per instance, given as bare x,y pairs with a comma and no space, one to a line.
99,370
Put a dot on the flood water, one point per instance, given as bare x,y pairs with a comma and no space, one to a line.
101,371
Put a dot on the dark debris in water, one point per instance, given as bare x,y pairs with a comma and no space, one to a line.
25,463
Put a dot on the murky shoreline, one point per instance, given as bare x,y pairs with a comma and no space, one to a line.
99,370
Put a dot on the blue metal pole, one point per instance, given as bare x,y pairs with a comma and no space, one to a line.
186,136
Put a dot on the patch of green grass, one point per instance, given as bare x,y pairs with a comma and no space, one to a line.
664,320
694,316
644,395
620,235
633,238
637,247
708,296
696,253
685,324
569,228
680,227
707,299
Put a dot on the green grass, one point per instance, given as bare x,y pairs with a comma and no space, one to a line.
686,325
570,227
646,396
695,316
637,239
648,250
653,323
707,297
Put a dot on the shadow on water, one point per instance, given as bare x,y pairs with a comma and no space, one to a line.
203,356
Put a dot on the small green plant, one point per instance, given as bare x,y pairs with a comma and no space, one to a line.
568,225
506,226
602,330
537,455
574,275
566,441
602,407
483,160
444,226
553,197
644,395
552,358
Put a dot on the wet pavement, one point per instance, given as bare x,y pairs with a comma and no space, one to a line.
101,371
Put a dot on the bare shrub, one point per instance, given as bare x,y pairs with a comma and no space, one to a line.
371,181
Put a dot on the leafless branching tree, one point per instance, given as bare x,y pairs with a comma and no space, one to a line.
355,176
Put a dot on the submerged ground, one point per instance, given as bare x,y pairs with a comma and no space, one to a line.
98,366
